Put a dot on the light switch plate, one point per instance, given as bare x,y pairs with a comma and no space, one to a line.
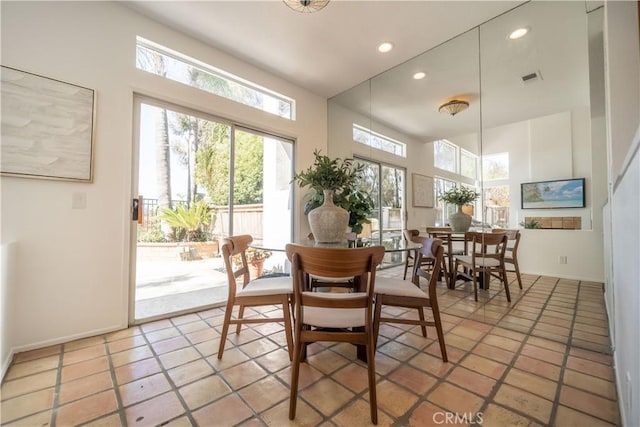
79,200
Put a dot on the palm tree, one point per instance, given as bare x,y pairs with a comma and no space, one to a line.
154,62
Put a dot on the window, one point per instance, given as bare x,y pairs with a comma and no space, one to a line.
445,155
495,167
468,164
443,210
186,159
386,184
172,65
497,206
379,142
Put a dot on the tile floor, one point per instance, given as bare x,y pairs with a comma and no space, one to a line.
541,360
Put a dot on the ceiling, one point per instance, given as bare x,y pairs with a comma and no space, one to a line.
333,53
328,51
555,49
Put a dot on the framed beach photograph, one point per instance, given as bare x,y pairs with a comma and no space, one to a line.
422,191
563,193
47,127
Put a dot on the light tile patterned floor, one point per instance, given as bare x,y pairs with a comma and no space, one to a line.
541,360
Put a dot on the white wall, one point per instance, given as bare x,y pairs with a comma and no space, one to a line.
8,252
622,88
521,140
72,268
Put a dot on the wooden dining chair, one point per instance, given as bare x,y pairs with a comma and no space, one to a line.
400,293
244,292
453,245
511,253
485,257
329,283
412,256
337,317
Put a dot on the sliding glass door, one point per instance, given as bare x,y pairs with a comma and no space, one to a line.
386,184
200,179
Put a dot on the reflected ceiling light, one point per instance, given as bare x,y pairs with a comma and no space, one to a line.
453,107
519,33
306,6
419,75
385,47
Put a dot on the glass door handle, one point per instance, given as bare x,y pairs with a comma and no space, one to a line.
137,213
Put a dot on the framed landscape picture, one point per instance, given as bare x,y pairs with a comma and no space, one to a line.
47,127
422,191
563,193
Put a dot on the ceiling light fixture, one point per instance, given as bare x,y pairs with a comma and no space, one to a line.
306,6
519,33
419,75
453,107
385,47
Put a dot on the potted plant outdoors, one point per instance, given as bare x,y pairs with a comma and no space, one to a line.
332,180
255,261
189,223
459,196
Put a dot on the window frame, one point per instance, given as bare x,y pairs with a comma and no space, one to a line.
385,139
456,156
265,93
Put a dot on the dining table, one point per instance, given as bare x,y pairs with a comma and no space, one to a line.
393,245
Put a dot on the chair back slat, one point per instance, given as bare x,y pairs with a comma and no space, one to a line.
336,262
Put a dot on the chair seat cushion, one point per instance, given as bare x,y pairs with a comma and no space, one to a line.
482,262
404,288
324,317
268,286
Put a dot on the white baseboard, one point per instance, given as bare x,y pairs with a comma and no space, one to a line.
5,365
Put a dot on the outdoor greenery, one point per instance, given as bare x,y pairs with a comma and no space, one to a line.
252,254
531,224
152,234
191,219
459,196
202,147
343,176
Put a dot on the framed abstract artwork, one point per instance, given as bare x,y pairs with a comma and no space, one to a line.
422,191
47,127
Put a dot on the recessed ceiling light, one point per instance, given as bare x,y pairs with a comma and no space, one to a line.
385,47
419,75
519,33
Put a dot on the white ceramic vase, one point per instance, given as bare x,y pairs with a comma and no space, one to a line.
460,222
328,222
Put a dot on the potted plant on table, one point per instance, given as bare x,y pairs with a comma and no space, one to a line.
459,196
336,201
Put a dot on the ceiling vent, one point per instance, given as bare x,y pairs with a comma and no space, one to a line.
532,77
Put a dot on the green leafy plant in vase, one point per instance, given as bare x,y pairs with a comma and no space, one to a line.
335,201
459,196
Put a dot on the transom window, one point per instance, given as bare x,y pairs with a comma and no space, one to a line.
378,141
451,158
445,155
495,167
159,60
468,164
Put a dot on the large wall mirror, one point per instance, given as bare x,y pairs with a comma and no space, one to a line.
534,114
